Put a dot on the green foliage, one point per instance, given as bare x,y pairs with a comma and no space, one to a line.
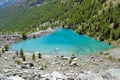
13,57
3,51
70,61
19,62
24,36
24,58
39,55
21,53
6,47
73,54
16,53
33,56
0,55
89,17
44,66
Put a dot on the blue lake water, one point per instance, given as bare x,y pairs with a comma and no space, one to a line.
62,42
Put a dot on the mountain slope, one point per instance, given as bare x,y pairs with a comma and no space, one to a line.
96,18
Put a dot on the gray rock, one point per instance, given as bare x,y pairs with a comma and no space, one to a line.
15,78
115,53
65,58
57,75
46,76
111,74
73,64
2,77
89,76
41,68
70,78
27,65
73,57
54,76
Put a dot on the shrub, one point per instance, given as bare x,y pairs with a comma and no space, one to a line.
44,66
24,36
0,55
118,59
6,47
39,55
16,53
3,51
70,61
73,54
21,53
24,58
33,56
13,57
19,62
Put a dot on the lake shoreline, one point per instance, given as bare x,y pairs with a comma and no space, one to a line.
64,41
66,67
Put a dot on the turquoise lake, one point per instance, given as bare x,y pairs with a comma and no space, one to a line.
62,42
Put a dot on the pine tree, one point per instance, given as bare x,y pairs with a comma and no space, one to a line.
39,55
6,47
21,53
24,58
33,56
16,53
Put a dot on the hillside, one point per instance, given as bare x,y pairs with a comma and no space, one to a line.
95,18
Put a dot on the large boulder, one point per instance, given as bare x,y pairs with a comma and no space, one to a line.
2,77
15,78
111,74
55,76
27,65
89,76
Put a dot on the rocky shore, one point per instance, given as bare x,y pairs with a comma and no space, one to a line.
8,39
14,37
102,66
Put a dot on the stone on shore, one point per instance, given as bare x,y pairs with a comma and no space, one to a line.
111,74
89,76
2,77
15,78
55,76
27,65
